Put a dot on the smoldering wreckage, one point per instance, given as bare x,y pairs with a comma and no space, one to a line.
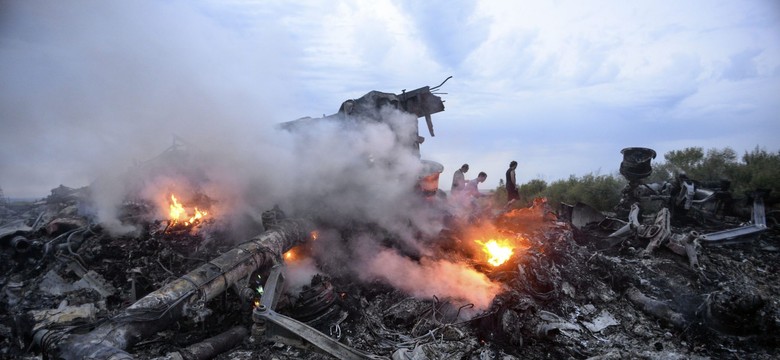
681,270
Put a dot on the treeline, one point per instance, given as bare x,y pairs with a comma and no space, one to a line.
757,169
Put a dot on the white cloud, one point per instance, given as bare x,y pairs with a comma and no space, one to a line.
530,77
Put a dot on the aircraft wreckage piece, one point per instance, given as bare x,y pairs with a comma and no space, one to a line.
277,327
13,235
632,225
211,347
656,308
184,296
660,234
758,225
686,245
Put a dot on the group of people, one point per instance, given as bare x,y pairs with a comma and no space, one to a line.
469,188
461,186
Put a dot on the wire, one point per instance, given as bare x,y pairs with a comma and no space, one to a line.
442,83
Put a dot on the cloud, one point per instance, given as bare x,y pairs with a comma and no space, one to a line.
451,30
742,65
529,68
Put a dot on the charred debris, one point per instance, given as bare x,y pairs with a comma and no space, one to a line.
681,270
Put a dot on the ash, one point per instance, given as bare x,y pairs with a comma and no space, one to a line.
570,293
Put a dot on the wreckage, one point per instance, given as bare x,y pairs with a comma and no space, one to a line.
568,284
374,107
683,199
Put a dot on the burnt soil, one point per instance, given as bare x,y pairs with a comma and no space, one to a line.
565,297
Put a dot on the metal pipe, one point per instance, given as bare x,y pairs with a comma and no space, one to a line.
188,294
20,244
213,346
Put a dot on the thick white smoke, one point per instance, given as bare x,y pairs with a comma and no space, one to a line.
103,87
428,278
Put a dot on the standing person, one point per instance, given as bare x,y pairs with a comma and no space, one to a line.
511,183
459,179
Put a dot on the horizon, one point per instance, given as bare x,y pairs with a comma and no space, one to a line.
91,88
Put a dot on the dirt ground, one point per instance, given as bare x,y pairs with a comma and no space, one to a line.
570,294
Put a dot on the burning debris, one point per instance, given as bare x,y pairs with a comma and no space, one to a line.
442,281
497,252
182,218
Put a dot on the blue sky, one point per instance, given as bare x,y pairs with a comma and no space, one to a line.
559,86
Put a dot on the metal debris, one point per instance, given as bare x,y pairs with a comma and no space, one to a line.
159,309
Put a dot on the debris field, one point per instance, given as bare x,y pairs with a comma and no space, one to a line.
566,292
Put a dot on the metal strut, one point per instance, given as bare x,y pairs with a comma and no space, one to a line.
277,327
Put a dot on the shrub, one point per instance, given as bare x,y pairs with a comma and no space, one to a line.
600,191
758,169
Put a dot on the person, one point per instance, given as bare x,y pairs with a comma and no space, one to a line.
471,187
511,183
459,179
465,201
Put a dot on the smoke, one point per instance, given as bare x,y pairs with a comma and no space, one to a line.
90,87
103,87
428,278
367,258
359,172
299,273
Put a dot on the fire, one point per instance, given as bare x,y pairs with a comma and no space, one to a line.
315,234
289,255
497,251
178,213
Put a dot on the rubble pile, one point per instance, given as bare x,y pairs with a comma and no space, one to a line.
569,291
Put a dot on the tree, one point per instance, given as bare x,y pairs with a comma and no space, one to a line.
600,191
760,170
684,161
532,189
715,165
662,171
718,164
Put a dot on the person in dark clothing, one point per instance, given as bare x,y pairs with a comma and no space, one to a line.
511,183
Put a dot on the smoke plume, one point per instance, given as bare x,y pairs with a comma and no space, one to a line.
428,278
101,89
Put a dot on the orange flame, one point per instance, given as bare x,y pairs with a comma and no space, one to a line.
289,255
497,251
178,213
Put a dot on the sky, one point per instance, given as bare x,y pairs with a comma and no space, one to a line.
89,87
93,91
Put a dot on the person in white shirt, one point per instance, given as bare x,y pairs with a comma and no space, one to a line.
471,187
